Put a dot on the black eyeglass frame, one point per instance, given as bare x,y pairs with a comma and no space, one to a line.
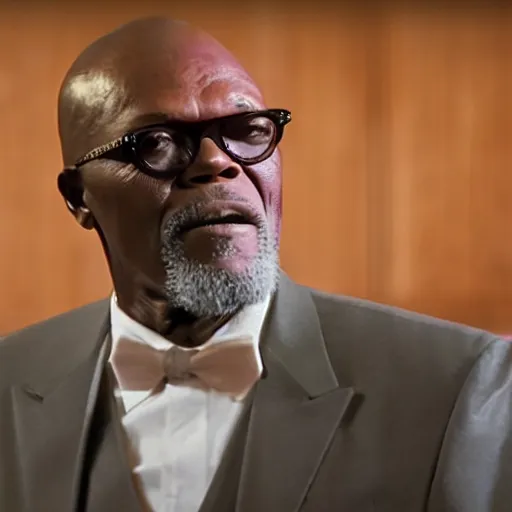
124,148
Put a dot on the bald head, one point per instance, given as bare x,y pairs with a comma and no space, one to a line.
175,134
106,82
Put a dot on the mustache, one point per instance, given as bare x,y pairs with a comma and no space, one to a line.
202,209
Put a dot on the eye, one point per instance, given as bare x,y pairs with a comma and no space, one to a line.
250,130
257,134
163,150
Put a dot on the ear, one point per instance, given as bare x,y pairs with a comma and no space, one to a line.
70,186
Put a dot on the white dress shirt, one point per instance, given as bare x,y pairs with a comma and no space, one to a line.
179,435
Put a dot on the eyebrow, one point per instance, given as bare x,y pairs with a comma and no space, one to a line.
151,118
241,104
244,104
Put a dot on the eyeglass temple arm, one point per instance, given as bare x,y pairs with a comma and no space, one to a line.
100,151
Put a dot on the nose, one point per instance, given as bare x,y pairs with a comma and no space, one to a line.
211,165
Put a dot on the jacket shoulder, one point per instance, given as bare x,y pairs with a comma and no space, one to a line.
386,339
54,337
381,320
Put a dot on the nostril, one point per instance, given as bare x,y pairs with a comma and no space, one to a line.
205,177
229,173
201,179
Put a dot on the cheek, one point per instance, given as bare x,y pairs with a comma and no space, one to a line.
128,209
268,178
124,193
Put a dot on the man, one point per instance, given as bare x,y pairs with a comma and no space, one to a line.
209,381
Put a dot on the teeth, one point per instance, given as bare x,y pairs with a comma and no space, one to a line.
229,216
229,213
226,214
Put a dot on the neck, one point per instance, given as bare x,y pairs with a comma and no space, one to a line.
194,332
176,325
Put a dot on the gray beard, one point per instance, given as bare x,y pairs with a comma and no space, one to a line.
206,291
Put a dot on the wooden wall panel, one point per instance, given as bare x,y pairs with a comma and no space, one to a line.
397,165
449,122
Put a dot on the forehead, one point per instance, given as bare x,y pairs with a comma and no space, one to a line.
191,86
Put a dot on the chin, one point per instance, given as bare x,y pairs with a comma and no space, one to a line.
231,253
234,264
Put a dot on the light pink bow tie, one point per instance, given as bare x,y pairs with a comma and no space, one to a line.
230,367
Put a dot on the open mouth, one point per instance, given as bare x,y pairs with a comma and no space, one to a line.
223,218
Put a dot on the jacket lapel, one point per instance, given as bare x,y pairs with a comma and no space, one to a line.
108,483
53,408
297,407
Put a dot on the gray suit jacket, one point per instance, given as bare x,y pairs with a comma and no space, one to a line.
363,408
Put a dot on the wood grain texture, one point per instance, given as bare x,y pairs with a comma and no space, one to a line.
398,163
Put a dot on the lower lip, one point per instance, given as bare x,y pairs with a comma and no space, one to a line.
223,229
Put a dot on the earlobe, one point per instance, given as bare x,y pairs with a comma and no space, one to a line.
70,186
84,217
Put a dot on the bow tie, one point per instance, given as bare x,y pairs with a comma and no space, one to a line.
230,367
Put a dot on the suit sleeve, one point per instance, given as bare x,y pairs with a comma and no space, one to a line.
474,469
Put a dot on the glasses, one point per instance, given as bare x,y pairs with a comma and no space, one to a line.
164,150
